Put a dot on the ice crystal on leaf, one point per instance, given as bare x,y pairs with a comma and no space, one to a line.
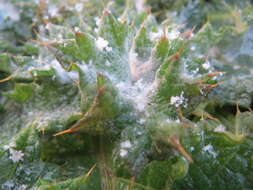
16,155
102,44
79,7
178,100
220,128
126,144
123,152
206,65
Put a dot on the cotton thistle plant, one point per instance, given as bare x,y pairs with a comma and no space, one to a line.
117,93
146,70
160,70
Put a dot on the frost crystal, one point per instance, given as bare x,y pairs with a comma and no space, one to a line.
53,11
16,155
206,65
155,35
9,146
8,185
220,128
77,29
137,92
141,121
96,30
63,76
119,19
79,7
139,4
126,144
107,63
172,35
123,152
22,187
178,100
209,148
102,44
97,20
193,48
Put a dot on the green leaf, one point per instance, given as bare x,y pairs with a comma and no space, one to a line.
113,31
21,92
86,47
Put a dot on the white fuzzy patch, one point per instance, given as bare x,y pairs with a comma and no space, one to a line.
206,65
155,35
126,144
97,20
141,121
53,11
173,34
102,44
220,128
178,100
209,148
137,93
139,4
22,187
123,152
77,29
16,155
9,146
79,7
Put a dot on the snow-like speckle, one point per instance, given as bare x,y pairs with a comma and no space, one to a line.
53,11
209,148
7,10
193,48
63,76
206,65
97,21
9,146
173,34
155,35
73,75
126,144
141,121
48,26
139,4
178,100
79,7
77,29
220,128
108,63
22,187
123,152
119,19
102,44
16,155
136,92
30,113
8,185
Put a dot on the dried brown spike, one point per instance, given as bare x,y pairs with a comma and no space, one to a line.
6,79
78,33
174,141
175,56
215,74
46,44
211,86
71,130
